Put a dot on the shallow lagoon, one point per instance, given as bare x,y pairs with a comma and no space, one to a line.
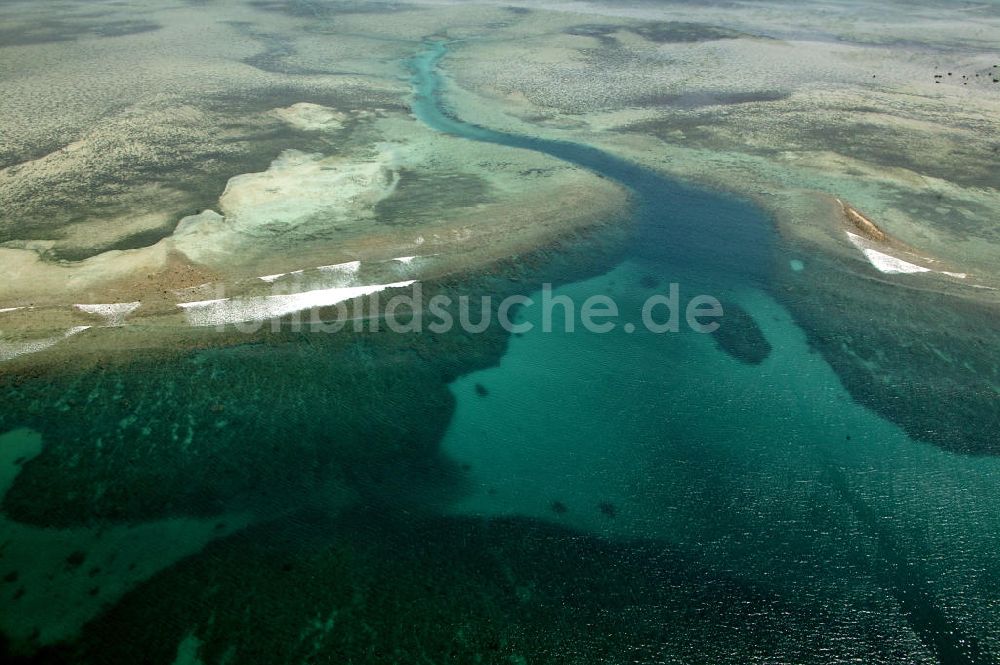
771,469
609,496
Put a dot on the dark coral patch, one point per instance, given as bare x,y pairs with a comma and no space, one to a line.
740,336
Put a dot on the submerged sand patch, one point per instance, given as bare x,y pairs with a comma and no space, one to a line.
312,211
860,114
233,143
312,117
298,198
81,570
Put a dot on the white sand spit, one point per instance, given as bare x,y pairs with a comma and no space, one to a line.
890,264
10,350
114,313
239,310
351,267
893,265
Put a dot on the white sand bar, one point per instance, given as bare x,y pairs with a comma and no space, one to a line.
114,313
239,310
10,350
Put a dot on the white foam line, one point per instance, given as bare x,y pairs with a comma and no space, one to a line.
201,303
238,310
274,278
10,350
893,265
405,259
350,266
856,240
10,309
890,264
114,313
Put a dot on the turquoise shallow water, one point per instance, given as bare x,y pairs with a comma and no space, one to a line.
707,239
771,470
544,498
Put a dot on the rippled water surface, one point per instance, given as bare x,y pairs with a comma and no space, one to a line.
768,470
551,497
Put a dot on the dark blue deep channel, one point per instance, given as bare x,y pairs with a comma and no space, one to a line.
556,497
690,231
751,454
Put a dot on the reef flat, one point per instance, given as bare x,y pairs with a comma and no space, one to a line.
814,481
195,164
888,113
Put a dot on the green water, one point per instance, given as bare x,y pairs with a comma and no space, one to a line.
771,470
543,498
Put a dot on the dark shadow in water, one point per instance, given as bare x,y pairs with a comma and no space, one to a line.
923,360
265,421
373,586
740,336
316,9
904,580
388,583
659,32
279,49
49,30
